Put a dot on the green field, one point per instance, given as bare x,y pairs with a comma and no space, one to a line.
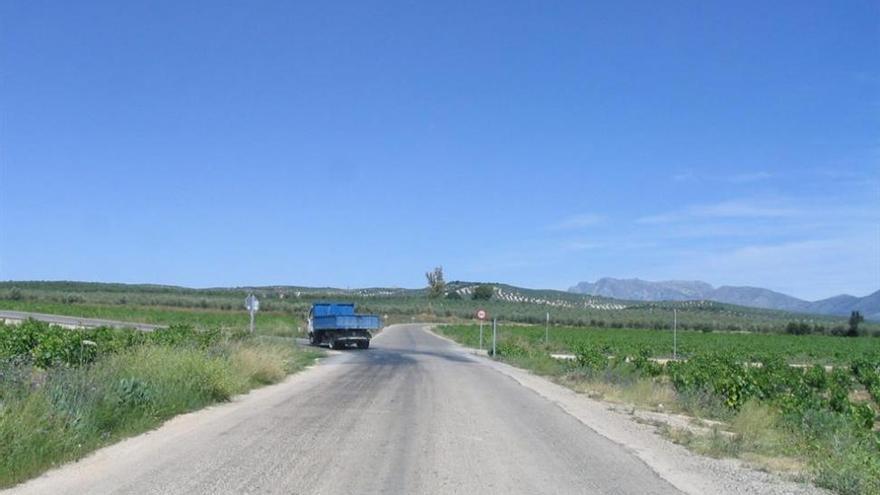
806,349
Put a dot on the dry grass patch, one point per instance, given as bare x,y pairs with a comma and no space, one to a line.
260,364
642,392
755,425
594,389
775,464
752,435
648,393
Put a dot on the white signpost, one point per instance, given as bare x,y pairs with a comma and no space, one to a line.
547,329
481,315
253,305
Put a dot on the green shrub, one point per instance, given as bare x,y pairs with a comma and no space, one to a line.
846,459
512,349
590,358
51,345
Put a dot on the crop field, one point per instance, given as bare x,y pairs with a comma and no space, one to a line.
795,349
829,420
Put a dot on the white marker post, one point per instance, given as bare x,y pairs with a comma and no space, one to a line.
83,344
253,305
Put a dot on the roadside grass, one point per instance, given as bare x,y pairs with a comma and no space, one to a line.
264,363
754,433
59,414
756,429
645,394
815,438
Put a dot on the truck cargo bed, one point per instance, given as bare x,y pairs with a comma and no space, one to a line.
345,322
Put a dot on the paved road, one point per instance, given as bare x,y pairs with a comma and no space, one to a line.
414,414
75,321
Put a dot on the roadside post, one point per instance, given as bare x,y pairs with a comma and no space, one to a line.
83,344
494,334
547,329
253,305
481,315
674,333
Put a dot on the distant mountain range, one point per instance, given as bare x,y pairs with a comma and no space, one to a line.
756,297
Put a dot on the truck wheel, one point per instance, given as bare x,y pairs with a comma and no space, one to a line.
364,344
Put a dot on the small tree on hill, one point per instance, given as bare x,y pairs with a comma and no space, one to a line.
854,319
483,292
436,283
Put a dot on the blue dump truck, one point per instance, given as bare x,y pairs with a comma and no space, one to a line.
337,325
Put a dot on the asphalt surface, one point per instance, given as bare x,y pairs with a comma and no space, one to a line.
413,414
75,321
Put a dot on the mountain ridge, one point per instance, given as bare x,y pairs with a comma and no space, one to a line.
756,297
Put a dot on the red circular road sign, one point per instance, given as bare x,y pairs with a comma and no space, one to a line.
481,314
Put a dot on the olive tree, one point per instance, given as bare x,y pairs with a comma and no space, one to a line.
436,283
483,292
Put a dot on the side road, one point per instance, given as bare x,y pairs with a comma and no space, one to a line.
16,317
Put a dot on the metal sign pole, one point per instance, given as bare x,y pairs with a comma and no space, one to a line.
494,334
481,335
547,329
674,333
253,305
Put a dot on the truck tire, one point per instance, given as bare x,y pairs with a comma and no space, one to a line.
363,344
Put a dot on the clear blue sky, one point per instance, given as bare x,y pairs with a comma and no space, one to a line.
362,143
